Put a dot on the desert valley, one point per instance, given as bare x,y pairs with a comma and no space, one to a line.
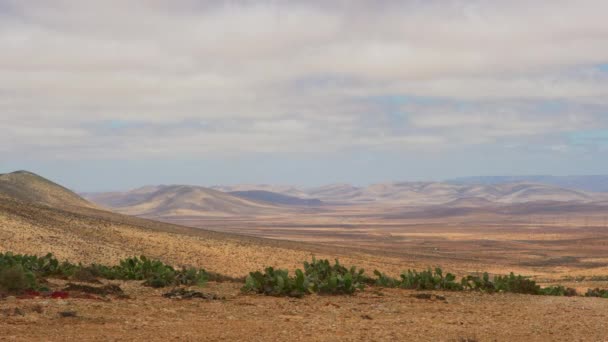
554,235
303,170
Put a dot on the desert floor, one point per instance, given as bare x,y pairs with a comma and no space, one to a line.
381,315
558,248
549,247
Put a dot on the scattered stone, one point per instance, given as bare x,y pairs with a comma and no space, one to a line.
423,296
102,291
181,293
428,296
366,317
37,308
13,312
67,313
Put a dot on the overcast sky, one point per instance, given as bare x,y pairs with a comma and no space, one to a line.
103,95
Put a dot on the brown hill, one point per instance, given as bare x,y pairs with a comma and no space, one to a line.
288,190
432,193
183,200
29,187
88,235
276,198
30,224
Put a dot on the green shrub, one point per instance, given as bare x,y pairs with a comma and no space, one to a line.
557,290
277,283
333,279
154,273
476,283
20,272
44,266
382,280
429,280
516,284
318,276
602,293
16,279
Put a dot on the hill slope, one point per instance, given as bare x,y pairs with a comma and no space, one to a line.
592,183
434,193
183,200
29,187
276,198
87,235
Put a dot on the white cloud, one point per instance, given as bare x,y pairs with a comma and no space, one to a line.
291,76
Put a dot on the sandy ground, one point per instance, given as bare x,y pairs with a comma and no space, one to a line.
550,254
545,246
385,315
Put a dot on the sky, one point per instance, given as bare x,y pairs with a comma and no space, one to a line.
111,95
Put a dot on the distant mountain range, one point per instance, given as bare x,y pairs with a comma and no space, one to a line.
434,193
188,200
276,198
597,183
249,200
183,201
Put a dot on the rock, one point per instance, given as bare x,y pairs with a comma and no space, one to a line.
188,294
67,313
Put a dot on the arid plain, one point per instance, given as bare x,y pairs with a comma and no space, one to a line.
559,242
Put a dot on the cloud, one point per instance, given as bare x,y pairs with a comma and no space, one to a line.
210,78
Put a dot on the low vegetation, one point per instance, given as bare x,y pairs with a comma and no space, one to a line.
602,293
19,273
319,276
278,283
22,272
429,280
333,279
154,273
27,272
382,280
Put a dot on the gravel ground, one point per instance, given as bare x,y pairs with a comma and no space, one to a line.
373,315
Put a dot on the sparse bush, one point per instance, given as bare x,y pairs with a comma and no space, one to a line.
602,293
429,280
558,290
44,266
516,284
277,283
476,283
318,276
22,272
154,272
16,279
333,279
383,280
